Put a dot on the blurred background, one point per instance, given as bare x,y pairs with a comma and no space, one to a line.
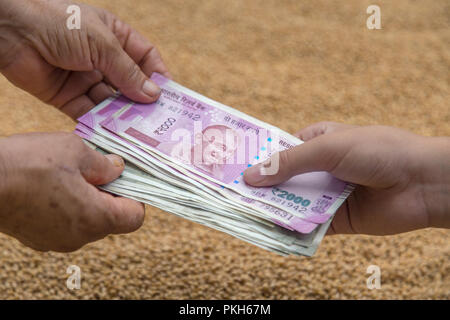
289,63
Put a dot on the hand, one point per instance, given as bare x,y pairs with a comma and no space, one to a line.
73,69
403,179
48,199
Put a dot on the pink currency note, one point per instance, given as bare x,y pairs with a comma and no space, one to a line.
90,123
218,143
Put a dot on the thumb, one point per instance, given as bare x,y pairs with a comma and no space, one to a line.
323,153
127,76
98,169
125,215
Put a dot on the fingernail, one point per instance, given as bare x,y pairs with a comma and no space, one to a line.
150,88
116,160
267,163
264,166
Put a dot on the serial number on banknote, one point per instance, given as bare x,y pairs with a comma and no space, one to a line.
290,205
180,111
278,212
184,113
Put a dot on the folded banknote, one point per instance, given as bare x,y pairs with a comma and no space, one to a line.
187,154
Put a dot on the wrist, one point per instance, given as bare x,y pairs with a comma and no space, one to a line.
4,193
435,180
10,186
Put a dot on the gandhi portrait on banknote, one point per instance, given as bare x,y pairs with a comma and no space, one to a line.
211,150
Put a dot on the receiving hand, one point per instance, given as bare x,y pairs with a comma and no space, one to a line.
403,179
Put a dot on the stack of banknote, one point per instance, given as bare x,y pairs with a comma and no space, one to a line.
186,154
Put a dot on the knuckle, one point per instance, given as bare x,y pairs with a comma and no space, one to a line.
104,48
93,175
155,54
121,29
111,42
321,128
132,74
96,178
104,40
285,159
326,125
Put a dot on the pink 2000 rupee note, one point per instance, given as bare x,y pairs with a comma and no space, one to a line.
89,124
218,143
